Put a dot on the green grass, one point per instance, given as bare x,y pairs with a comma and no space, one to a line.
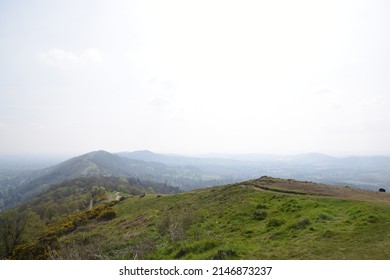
223,223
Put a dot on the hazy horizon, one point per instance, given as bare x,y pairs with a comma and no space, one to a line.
194,78
58,157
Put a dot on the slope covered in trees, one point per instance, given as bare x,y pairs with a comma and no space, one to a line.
29,220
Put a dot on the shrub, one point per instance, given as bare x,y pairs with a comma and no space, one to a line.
372,219
176,227
323,217
208,245
31,251
328,234
144,247
302,224
260,215
275,223
224,254
177,232
107,214
163,225
182,252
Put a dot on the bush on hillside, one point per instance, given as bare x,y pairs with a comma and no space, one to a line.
275,223
107,214
260,215
302,224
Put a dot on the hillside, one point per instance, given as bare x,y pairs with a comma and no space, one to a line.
102,164
185,172
267,218
85,193
94,164
98,163
28,221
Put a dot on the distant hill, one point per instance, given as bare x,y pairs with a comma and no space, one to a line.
177,160
93,164
313,158
99,163
104,164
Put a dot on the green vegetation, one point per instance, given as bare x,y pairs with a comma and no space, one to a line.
237,221
24,230
83,193
47,244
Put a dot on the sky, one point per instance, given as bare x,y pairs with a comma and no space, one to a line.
195,77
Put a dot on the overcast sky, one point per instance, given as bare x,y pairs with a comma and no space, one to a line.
195,77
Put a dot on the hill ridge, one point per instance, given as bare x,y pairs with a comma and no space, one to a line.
231,221
308,188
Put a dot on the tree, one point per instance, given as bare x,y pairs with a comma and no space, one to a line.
12,227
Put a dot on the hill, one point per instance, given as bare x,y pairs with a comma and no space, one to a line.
266,218
103,164
94,164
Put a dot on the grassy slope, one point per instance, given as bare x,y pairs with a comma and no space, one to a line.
238,222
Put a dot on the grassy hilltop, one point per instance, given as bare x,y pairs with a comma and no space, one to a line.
266,218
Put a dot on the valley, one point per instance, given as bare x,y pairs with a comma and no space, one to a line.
147,206
20,182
